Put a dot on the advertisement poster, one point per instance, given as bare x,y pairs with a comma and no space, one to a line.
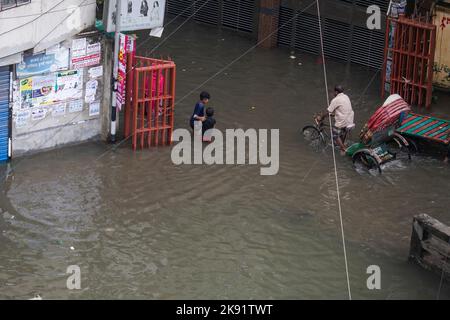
43,90
22,118
136,14
69,85
79,47
38,114
91,90
126,45
93,48
75,106
59,110
26,93
89,56
96,72
43,63
94,109
16,95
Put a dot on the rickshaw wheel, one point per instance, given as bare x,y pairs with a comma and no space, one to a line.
398,147
367,161
314,136
412,146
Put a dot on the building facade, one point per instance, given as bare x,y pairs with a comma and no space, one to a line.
294,24
52,76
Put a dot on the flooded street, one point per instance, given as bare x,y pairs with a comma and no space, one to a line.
140,227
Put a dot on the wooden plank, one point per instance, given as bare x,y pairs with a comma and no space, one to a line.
430,245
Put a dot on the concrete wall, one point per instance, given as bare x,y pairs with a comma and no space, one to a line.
51,132
51,138
43,23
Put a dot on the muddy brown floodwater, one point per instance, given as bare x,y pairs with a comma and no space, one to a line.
141,227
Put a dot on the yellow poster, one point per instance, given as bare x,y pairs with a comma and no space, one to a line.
26,93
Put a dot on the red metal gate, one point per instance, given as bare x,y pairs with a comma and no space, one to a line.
411,59
149,108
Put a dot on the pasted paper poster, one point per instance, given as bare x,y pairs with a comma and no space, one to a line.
59,110
38,114
91,56
44,90
69,85
95,72
22,117
94,108
26,93
78,47
91,90
75,106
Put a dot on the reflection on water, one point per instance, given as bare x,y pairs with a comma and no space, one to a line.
141,227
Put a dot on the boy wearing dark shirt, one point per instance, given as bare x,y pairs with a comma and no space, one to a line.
198,116
209,123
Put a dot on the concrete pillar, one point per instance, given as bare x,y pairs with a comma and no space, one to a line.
268,23
106,101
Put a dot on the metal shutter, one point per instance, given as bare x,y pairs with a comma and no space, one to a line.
336,34
4,112
367,47
307,33
207,11
341,40
286,26
234,14
183,8
383,4
238,14
336,39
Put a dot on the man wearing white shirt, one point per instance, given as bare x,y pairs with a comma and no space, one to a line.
341,108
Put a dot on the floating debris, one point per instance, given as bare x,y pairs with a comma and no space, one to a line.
7,215
292,57
72,248
36,297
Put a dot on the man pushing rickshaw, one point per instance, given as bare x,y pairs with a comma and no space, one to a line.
341,109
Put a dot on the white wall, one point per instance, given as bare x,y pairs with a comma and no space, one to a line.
34,28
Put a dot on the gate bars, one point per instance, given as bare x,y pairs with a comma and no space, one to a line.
149,108
410,56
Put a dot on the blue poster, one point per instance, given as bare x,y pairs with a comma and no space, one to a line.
42,63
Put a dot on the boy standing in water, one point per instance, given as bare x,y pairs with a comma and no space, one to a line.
209,123
198,116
